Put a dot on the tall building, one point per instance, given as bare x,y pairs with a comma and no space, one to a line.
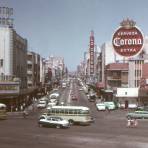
56,66
107,56
13,55
13,68
42,71
33,69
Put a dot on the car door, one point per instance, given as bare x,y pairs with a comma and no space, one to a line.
49,121
54,122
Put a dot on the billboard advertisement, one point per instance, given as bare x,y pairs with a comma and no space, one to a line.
128,40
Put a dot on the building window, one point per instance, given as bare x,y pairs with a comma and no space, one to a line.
1,62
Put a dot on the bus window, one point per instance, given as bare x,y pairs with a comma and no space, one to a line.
75,112
84,112
53,111
71,111
66,111
62,111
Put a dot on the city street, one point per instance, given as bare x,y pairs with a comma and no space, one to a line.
73,74
108,130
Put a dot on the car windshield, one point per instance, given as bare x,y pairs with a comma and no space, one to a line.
57,119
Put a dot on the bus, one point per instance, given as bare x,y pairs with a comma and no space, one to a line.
74,114
3,112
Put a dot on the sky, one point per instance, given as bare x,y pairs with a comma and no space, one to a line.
62,27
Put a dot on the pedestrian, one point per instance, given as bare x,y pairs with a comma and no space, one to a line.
25,113
21,107
16,109
132,122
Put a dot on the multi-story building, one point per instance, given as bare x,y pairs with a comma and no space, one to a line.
116,75
13,65
55,68
13,51
42,71
106,57
33,69
135,72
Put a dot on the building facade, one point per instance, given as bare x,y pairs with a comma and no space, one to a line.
33,69
13,66
13,55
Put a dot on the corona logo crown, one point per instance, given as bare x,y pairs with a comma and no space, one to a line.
127,23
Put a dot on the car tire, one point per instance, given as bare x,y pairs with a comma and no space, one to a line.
58,126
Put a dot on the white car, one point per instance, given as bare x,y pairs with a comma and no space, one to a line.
43,99
41,104
110,105
50,121
100,106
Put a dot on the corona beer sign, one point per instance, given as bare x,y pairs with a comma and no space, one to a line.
128,39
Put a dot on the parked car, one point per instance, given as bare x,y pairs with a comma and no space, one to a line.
110,105
142,108
106,105
138,115
100,106
50,121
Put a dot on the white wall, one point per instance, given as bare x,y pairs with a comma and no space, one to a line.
6,50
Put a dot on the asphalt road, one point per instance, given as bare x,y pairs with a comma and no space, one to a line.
108,131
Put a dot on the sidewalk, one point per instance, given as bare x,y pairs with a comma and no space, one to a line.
30,109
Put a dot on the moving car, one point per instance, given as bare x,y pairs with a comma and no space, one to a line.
41,104
51,121
137,115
